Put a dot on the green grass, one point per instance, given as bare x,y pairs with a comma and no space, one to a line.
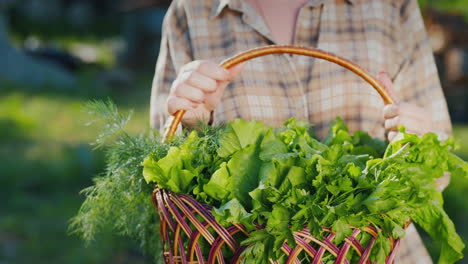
459,7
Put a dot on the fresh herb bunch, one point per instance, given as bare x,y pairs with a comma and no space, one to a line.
278,178
283,179
120,199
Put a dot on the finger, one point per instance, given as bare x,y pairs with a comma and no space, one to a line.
207,68
411,125
385,80
189,92
392,124
391,111
392,135
233,73
413,111
196,115
198,80
175,103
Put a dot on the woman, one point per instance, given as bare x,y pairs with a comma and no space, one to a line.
379,35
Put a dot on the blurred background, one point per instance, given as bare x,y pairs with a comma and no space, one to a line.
56,55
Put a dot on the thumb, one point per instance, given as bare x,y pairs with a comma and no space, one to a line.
215,97
385,80
233,72
236,70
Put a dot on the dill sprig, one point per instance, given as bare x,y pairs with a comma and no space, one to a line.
107,113
120,199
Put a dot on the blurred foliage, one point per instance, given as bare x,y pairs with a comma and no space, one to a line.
101,34
46,159
461,134
452,6
14,123
103,25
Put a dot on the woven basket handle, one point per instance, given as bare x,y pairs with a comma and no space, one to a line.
274,49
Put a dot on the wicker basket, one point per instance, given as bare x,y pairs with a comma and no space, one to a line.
186,224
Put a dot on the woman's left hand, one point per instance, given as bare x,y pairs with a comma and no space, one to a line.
416,119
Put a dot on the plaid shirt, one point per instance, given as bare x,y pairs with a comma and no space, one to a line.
378,35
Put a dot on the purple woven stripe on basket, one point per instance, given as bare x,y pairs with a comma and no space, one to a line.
232,230
236,256
182,223
329,243
193,219
207,216
193,243
180,220
169,245
301,245
373,229
182,251
185,210
345,248
365,256
177,215
286,250
215,252
163,211
241,228
332,248
356,243
394,251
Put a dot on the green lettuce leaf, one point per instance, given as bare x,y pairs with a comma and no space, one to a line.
433,219
219,185
238,135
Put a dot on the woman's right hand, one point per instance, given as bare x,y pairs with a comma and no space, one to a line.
198,89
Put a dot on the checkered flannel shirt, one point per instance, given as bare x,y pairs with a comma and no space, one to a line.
378,35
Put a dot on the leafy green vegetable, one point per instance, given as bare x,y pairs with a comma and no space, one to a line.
285,178
440,228
282,179
119,199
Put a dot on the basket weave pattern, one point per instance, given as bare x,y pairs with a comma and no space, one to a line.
186,225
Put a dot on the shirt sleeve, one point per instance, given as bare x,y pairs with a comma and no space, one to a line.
417,80
175,51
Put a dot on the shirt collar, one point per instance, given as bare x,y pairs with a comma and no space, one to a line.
219,5
315,3
236,5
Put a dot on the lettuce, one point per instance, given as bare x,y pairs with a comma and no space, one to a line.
284,178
